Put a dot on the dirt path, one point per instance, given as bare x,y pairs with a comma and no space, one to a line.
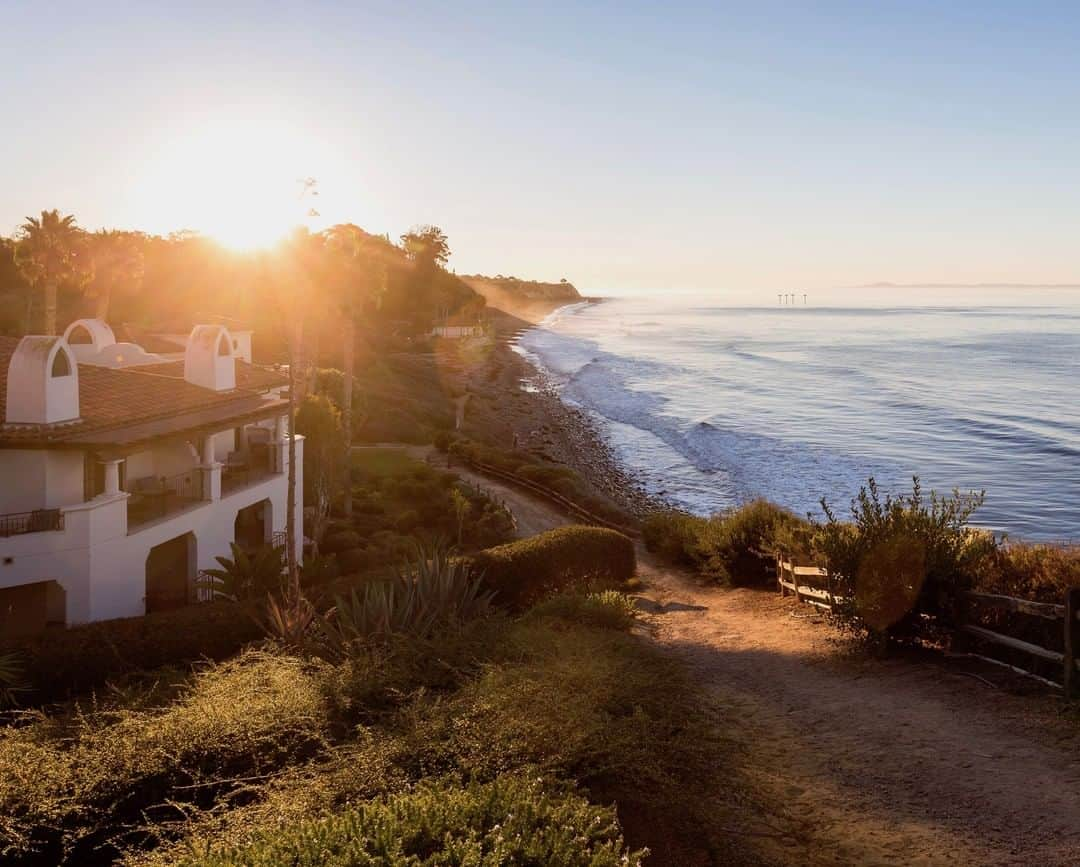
867,761
861,761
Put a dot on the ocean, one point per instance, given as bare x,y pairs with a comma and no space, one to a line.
712,402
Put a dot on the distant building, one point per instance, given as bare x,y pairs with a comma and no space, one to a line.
456,332
124,472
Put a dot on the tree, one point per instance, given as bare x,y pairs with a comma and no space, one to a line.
116,264
246,575
48,253
427,246
360,275
319,420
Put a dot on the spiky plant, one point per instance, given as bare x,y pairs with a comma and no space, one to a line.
246,575
430,590
11,679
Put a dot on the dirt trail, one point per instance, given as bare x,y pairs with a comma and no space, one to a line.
861,761
867,761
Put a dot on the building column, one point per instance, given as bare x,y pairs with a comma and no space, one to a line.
280,448
210,470
112,477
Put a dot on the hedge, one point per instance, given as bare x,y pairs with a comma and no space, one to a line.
522,572
64,662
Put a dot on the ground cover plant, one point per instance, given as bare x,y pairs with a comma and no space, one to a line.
546,719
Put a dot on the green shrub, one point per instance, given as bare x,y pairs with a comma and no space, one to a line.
428,592
901,558
342,541
608,609
515,819
79,783
246,575
1030,571
673,535
353,560
67,662
737,547
523,572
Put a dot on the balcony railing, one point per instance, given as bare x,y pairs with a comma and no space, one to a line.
239,474
37,521
155,497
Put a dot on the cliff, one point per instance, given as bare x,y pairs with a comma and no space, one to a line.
525,298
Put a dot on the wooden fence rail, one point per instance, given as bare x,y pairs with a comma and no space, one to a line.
816,587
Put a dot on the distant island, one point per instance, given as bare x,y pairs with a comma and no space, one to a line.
887,285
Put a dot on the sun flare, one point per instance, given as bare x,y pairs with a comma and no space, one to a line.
239,183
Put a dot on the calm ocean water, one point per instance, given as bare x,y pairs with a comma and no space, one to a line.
715,402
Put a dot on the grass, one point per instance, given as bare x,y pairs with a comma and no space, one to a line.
383,462
548,719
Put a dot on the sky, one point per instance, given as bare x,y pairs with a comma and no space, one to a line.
626,146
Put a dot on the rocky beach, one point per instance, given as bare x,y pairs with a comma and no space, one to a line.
513,405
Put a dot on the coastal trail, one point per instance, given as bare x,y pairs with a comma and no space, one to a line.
856,760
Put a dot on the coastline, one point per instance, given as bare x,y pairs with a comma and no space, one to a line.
513,401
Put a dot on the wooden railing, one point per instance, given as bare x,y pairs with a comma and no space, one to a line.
816,587
37,521
553,496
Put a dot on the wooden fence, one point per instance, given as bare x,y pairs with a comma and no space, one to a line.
816,587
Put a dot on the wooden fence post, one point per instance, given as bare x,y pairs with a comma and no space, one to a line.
780,574
1072,644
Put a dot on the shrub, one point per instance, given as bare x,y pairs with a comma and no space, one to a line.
430,591
901,558
353,560
80,785
246,575
673,534
608,609
523,572
341,541
737,547
515,819
11,679
61,663
1031,571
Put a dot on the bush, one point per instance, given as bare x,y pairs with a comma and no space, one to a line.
515,819
901,559
523,572
1040,572
343,541
61,663
608,609
737,547
81,792
673,534
353,560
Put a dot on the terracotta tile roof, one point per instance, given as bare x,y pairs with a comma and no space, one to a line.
129,404
247,375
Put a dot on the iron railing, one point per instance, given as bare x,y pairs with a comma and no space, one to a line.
155,497
237,476
37,521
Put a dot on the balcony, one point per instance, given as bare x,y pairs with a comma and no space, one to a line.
156,497
37,521
246,468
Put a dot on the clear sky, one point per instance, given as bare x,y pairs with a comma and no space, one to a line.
625,146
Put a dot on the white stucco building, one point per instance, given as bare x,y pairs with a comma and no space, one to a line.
124,472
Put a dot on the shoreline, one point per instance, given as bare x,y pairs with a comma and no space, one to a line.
514,402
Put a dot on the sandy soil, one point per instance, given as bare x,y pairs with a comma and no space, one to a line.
857,760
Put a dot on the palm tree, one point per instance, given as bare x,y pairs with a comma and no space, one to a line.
47,254
117,264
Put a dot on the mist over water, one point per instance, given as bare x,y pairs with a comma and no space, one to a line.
714,402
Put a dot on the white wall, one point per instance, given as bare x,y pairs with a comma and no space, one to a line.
24,474
103,569
64,478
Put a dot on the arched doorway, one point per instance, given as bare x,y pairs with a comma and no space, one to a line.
251,529
170,574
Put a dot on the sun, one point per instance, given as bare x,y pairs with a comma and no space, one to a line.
238,182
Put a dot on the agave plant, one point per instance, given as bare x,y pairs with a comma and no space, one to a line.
11,679
430,590
246,575
290,620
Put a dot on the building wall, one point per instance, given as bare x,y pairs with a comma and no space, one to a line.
24,474
103,569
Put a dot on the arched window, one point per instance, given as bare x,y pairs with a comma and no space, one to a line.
223,346
61,366
79,335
